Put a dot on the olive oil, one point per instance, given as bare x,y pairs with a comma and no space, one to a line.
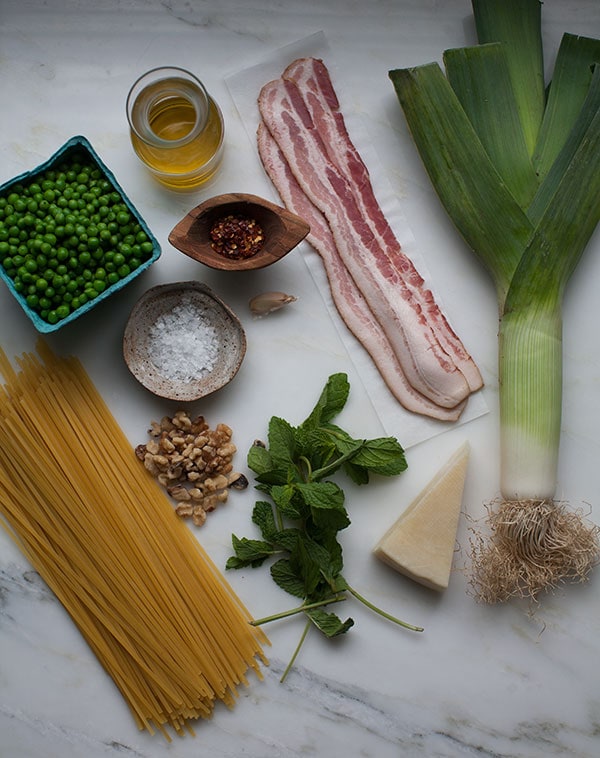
176,128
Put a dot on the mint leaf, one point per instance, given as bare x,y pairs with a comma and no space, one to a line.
316,446
324,548
305,568
299,574
319,553
273,476
259,459
339,438
328,623
248,552
326,503
288,503
331,401
287,539
358,474
285,577
383,455
264,518
233,562
282,443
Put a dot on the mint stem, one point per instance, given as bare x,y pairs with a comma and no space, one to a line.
321,472
388,616
288,668
299,609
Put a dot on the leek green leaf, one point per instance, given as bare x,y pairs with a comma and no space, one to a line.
480,78
517,25
567,92
578,133
476,198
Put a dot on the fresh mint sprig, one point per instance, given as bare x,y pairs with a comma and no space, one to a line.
300,522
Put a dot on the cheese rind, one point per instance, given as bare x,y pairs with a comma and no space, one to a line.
421,543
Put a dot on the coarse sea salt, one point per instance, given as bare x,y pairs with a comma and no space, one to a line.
183,345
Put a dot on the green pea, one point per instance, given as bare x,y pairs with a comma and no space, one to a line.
67,236
24,275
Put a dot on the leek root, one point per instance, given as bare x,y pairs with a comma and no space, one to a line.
534,544
522,186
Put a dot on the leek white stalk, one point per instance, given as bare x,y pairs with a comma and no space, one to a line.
521,181
530,368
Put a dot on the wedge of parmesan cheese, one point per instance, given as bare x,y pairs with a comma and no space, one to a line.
421,543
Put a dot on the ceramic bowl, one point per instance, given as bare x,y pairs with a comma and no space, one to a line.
283,231
182,342
77,150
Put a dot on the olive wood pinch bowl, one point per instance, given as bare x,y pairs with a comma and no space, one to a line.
159,301
282,229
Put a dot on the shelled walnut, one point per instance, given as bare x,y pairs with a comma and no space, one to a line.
193,462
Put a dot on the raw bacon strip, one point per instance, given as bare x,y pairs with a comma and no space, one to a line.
312,79
348,299
427,367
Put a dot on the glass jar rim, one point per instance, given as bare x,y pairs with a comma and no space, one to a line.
201,105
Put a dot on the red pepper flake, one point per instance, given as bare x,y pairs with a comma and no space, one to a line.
236,237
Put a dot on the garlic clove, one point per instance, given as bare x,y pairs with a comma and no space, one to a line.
267,302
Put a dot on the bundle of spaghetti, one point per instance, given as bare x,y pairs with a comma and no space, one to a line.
143,592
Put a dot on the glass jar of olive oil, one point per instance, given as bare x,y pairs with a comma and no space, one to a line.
176,128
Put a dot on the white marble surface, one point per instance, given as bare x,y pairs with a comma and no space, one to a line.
485,681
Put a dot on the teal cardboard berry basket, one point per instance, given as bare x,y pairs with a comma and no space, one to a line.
97,243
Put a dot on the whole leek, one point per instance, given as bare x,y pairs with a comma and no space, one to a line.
519,174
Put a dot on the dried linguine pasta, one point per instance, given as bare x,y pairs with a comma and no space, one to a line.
156,611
